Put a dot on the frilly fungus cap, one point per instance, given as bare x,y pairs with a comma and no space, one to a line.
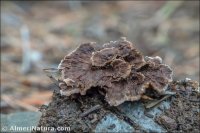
117,67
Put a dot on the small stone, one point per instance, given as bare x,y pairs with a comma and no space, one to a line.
168,122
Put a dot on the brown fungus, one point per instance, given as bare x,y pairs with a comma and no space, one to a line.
117,67
104,56
121,68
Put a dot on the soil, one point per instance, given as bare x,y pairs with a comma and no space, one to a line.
182,116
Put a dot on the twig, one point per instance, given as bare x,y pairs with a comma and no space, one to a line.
48,73
193,100
96,107
14,102
26,58
169,93
145,97
154,103
164,13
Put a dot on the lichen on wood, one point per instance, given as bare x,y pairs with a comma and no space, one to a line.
117,67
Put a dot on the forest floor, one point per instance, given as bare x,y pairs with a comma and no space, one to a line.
91,113
53,29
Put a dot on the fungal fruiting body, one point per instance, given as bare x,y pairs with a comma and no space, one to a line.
117,67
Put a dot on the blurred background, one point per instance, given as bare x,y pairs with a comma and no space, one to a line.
37,35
